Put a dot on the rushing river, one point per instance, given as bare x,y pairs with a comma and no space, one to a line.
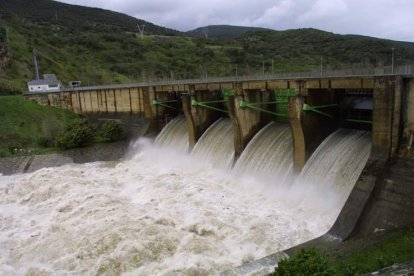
158,212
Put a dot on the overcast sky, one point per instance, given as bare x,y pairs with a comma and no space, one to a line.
393,19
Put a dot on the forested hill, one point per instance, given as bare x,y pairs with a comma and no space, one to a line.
74,18
97,46
222,31
337,50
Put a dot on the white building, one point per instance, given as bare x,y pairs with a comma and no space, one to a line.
49,83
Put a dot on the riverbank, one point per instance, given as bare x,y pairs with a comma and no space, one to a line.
98,152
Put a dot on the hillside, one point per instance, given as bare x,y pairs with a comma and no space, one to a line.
25,123
97,46
73,18
308,45
222,31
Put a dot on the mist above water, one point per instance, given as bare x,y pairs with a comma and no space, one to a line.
159,212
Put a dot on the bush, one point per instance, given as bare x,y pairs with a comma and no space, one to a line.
111,130
77,134
307,262
44,142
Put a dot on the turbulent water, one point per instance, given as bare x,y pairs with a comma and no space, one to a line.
269,153
336,165
217,144
174,135
157,213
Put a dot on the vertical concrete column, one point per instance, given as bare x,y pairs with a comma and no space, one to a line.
199,118
192,130
409,114
396,117
203,116
382,125
150,110
295,119
410,105
246,121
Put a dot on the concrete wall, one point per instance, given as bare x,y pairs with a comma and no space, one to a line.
382,197
246,121
199,118
379,196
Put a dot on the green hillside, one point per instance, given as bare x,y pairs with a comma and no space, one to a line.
97,46
24,124
222,31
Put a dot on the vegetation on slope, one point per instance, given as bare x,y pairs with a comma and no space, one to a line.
25,125
227,32
397,249
97,46
31,128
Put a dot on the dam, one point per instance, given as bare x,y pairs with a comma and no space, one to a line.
234,175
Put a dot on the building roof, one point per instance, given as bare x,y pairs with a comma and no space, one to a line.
48,79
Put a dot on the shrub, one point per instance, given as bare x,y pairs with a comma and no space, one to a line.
44,142
307,262
111,130
77,134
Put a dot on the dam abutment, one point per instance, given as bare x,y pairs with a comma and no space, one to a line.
246,121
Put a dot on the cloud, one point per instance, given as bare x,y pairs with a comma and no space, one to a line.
274,14
380,18
323,9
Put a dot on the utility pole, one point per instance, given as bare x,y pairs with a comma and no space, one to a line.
36,66
141,30
263,67
392,60
272,66
206,74
321,67
205,31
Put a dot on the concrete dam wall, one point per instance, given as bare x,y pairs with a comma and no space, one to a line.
375,114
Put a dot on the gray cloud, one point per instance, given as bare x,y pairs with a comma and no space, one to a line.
380,18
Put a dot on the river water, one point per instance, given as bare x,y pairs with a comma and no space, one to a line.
159,212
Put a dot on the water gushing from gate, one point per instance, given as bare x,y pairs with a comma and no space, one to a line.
216,145
174,135
269,153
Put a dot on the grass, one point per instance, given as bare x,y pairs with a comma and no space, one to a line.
385,249
24,123
398,249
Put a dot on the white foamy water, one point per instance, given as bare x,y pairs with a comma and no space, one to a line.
174,135
334,168
269,154
155,214
216,145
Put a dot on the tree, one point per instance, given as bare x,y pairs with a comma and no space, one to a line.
307,262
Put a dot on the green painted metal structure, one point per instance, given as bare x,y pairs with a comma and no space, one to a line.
316,109
281,101
164,103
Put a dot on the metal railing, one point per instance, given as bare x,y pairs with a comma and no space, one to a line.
404,70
